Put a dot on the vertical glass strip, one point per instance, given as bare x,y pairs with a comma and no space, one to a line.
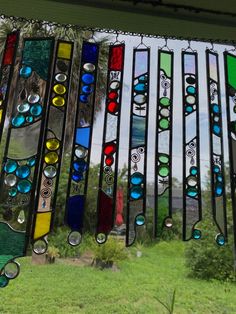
109,159
23,146
6,73
50,165
137,167
192,210
163,162
78,179
230,81
216,146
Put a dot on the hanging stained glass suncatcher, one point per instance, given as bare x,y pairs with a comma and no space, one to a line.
137,167
216,146
230,82
192,202
49,170
23,146
81,149
6,73
163,158
106,201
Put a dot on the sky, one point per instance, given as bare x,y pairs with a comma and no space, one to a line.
177,46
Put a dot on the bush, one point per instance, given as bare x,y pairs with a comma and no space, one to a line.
205,259
59,240
110,252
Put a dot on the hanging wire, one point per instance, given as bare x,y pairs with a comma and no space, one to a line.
211,48
112,31
165,47
189,48
141,43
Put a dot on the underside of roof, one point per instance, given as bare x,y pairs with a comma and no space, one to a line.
207,20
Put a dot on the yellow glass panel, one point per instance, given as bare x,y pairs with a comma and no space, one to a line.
42,225
1,115
64,50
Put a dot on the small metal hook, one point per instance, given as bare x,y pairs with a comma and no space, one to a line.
189,46
165,46
141,43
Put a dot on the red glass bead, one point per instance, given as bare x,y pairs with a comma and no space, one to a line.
109,149
112,95
109,160
112,107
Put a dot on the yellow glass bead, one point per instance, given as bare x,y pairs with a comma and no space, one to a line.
64,51
59,89
58,101
52,144
51,158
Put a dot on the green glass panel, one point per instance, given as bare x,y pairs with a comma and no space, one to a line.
4,259
231,66
12,241
166,63
36,54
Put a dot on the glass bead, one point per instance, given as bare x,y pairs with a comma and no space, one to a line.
11,270
58,101
24,186
61,77
10,166
89,67
40,247
163,170
52,144
220,239
10,180
51,158
140,99
136,192
25,71
136,178
140,220
197,234
13,192
22,108
59,89
18,121
74,238
81,152
50,172
87,78
33,98
23,172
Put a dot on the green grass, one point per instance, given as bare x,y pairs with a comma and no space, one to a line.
64,288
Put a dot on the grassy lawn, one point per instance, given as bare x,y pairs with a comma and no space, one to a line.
65,288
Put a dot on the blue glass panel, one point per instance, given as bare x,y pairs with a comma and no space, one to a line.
90,53
82,137
75,211
138,131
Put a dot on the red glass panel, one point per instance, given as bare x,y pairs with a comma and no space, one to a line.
104,213
10,48
116,58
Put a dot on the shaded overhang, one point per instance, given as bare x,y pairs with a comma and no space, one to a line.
189,19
